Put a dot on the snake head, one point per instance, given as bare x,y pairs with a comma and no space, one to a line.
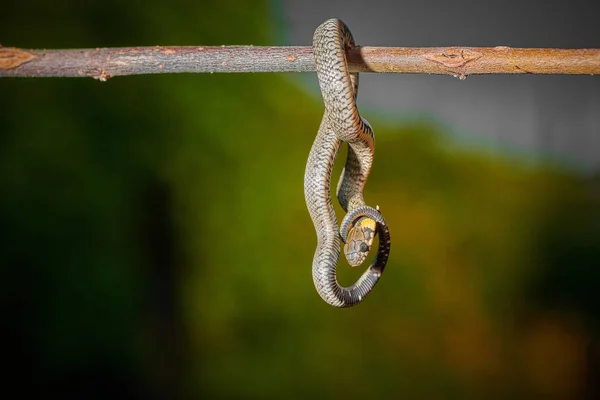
359,241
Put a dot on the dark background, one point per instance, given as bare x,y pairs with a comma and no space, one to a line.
155,241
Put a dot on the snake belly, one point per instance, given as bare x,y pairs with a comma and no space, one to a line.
341,123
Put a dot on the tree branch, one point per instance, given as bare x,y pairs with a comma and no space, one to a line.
104,63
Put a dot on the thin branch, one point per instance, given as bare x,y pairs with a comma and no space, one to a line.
104,63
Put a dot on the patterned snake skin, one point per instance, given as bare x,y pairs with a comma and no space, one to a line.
341,123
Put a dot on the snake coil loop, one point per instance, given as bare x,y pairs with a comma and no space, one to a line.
341,123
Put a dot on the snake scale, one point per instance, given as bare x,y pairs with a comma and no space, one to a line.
341,123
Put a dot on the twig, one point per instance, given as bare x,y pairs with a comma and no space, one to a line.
104,63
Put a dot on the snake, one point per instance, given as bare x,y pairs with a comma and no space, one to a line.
342,123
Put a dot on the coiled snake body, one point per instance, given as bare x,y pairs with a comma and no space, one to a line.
341,123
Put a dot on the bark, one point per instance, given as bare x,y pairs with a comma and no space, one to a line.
104,63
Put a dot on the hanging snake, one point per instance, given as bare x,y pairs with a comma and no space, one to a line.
341,123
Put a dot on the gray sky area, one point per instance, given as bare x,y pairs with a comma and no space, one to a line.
541,116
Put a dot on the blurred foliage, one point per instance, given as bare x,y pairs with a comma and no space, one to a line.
155,239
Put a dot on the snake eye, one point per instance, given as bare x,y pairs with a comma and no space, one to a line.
363,247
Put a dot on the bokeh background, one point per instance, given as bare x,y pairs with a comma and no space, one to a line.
156,244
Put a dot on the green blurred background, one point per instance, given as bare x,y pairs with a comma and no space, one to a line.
155,241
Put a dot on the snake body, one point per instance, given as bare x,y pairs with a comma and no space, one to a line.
341,123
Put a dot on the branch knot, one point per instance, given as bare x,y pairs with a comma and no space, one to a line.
11,57
454,57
